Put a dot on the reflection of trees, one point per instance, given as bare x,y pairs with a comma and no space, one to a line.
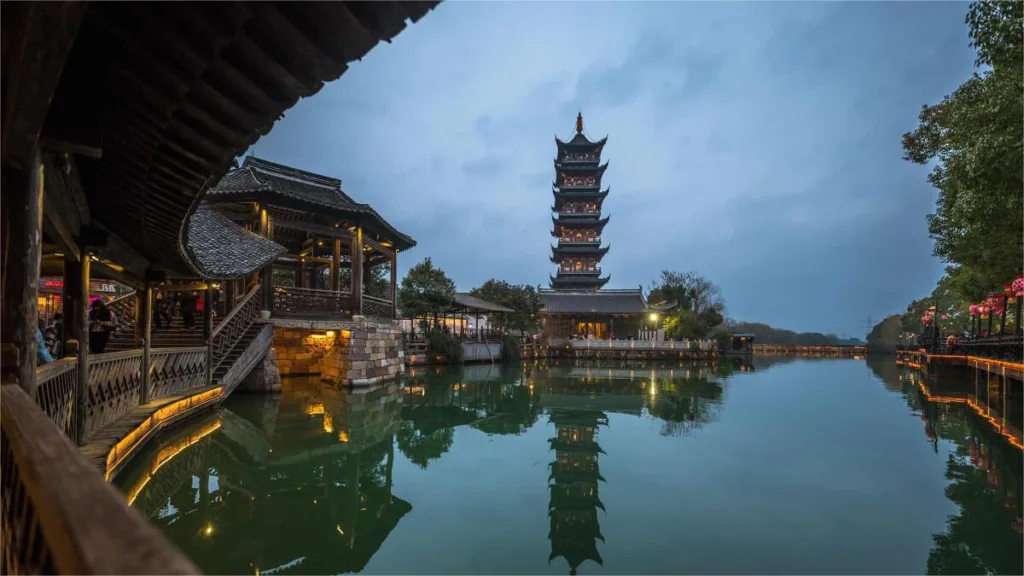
422,446
984,471
686,405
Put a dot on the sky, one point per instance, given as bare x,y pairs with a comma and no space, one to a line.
758,144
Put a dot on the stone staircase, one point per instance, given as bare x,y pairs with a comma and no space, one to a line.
236,351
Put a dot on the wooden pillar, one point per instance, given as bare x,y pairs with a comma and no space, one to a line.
335,265
1002,319
1019,299
229,296
266,294
208,330
394,284
146,312
71,303
23,235
357,272
82,321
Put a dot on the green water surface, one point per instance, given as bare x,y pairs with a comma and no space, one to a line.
780,467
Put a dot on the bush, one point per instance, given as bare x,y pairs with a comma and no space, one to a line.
723,342
444,344
511,351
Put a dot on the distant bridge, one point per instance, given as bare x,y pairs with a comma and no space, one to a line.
843,351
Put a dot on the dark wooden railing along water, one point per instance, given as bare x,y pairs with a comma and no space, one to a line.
59,514
289,301
173,371
377,307
55,394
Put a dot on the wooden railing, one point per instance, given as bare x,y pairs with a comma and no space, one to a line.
234,326
289,300
55,393
115,385
255,352
123,310
377,307
59,514
176,370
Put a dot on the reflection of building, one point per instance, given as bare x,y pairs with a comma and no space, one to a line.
573,484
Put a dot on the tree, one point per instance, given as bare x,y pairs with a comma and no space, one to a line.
521,298
952,310
885,336
974,138
699,304
425,290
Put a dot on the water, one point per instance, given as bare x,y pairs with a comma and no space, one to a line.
789,466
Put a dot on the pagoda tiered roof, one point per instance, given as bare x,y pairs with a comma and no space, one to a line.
580,166
580,141
589,193
593,249
584,281
598,302
587,222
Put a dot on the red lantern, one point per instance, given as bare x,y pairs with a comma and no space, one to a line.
1018,285
975,309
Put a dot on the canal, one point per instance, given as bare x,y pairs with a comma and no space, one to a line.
783,466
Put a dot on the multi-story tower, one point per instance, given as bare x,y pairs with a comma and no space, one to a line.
573,483
577,213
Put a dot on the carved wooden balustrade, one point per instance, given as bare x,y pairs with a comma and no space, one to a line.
115,385
234,326
55,393
59,514
291,301
122,309
176,370
377,307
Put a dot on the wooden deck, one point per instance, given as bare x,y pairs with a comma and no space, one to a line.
139,425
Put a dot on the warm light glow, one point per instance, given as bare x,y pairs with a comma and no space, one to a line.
340,531
654,317
167,454
330,333
314,409
343,436
328,423
208,531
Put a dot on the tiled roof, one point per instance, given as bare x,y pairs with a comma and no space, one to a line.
223,249
466,300
580,140
592,302
315,190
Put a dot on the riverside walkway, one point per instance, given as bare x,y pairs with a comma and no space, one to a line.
105,180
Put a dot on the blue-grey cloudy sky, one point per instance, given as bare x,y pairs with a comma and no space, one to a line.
756,143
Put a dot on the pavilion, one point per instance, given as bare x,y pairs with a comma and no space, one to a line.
599,314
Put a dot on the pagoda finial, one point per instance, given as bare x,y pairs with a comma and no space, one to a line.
579,123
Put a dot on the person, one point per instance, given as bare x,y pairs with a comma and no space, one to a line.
200,302
164,314
43,355
188,309
176,307
57,324
52,341
101,324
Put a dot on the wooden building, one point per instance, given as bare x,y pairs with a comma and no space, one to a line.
577,221
329,239
598,314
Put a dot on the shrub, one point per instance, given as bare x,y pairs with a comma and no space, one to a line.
510,349
444,344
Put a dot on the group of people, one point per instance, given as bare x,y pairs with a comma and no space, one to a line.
186,304
103,322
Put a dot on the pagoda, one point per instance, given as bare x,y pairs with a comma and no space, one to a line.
573,484
577,213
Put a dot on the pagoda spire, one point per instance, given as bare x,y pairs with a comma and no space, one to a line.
579,122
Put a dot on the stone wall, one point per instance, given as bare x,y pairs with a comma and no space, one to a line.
356,352
265,377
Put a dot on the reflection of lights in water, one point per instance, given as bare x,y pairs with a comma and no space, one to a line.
313,409
208,531
343,436
167,454
328,423
340,531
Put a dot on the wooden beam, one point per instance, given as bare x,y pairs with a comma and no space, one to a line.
357,273
378,247
312,228
42,41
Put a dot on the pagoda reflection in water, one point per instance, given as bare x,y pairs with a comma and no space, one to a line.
573,484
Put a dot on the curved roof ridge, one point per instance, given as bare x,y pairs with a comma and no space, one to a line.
283,169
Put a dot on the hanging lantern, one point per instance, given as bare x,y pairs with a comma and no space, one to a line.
1018,285
975,309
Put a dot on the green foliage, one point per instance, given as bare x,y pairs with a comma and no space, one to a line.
974,138
723,341
425,290
885,336
949,304
699,304
521,298
443,343
510,349
378,283
765,334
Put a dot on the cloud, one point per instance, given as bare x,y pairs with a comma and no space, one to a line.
758,143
